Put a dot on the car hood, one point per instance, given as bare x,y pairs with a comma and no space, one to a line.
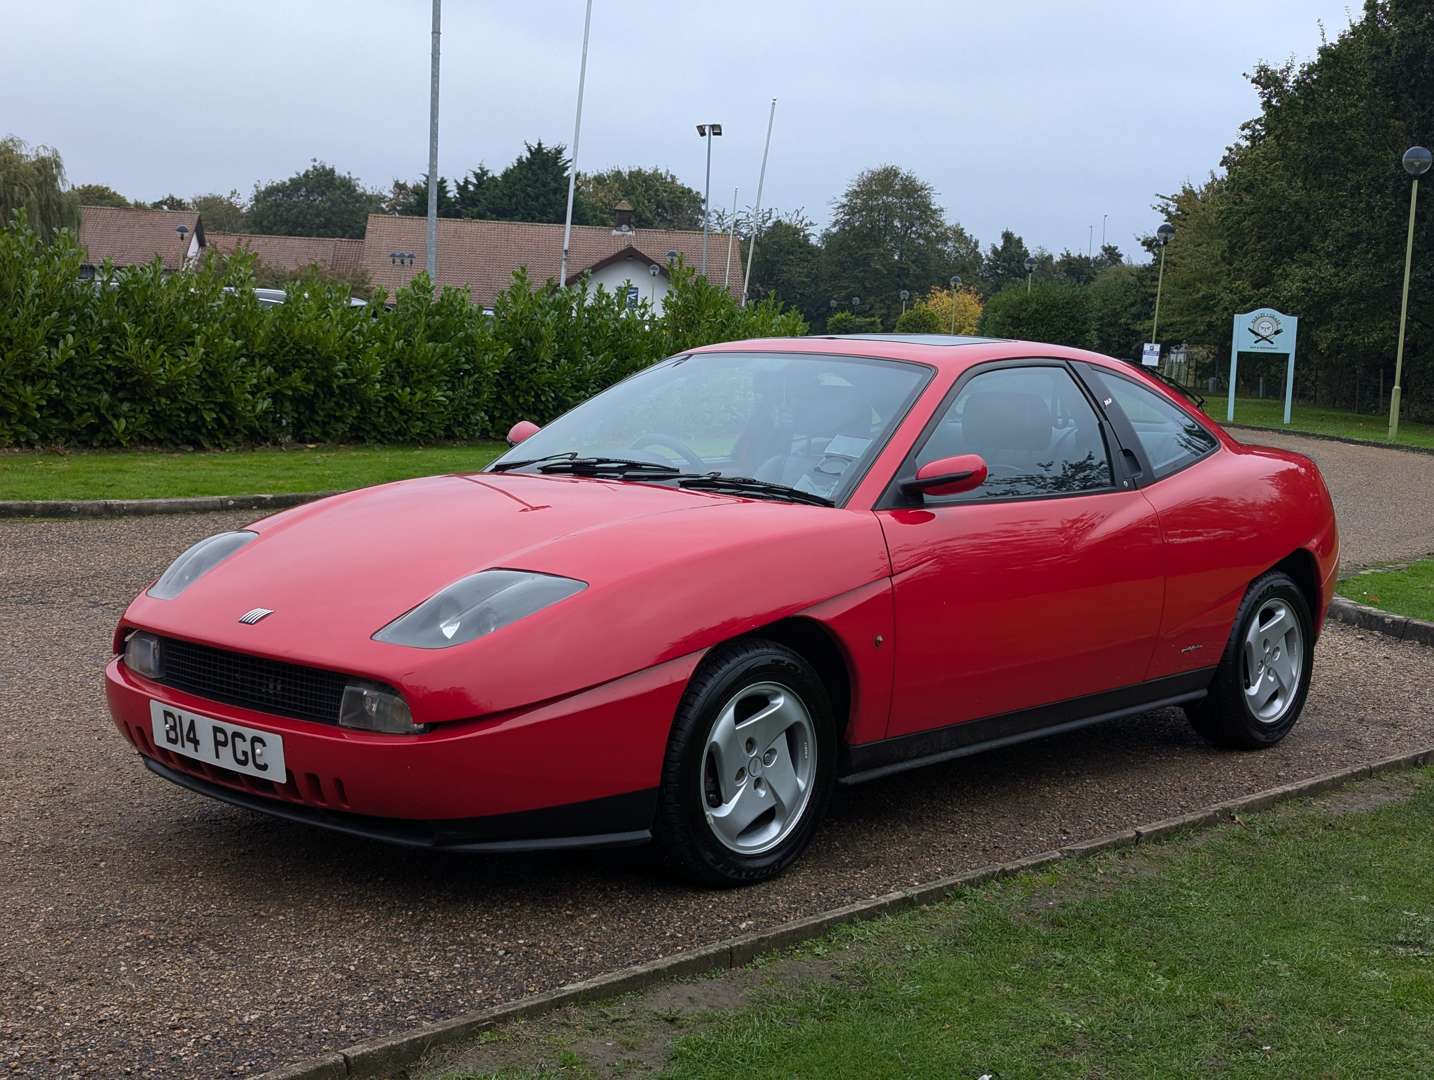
335,571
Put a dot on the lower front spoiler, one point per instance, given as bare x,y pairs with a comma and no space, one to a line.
605,822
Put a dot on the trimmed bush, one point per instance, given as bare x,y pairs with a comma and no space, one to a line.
918,320
1055,312
141,358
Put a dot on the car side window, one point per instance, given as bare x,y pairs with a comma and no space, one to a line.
1033,427
1170,437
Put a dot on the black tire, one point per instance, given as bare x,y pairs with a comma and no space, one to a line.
1224,716
685,841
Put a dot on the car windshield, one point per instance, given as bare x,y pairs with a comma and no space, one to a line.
803,420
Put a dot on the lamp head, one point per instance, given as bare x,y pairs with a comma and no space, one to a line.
1164,233
1417,160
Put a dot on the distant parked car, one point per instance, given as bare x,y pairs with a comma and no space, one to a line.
688,608
275,297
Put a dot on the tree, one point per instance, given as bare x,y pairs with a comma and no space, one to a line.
1053,311
957,311
33,181
170,202
320,201
1005,263
786,264
535,187
659,200
222,213
99,195
1309,216
1120,305
412,199
887,234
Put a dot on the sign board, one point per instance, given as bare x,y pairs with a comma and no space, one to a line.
633,295
1150,354
1268,331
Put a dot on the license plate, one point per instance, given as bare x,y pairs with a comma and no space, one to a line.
230,746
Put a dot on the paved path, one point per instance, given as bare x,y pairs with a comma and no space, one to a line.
150,929
1384,498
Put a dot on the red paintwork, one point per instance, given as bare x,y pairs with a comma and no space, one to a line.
941,616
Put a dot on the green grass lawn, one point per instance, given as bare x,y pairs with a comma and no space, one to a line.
138,474
1269,412
1297,942
1409,591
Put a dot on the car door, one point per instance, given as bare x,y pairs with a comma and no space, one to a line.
1040,586
1217,524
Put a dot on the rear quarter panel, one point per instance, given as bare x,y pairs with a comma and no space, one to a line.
1226,520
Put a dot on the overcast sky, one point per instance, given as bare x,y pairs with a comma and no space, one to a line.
1039,116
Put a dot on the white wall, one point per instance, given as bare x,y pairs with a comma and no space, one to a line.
618,275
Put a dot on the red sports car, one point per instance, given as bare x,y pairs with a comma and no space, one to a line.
686,609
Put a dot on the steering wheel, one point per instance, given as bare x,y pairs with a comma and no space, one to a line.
677,446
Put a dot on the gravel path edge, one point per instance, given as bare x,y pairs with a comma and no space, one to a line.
1400,627
1327,438
385,1055
101,508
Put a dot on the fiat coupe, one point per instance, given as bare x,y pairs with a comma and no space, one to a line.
684,611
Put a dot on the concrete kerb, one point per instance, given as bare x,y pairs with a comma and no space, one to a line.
100,508
1382,622
391,1054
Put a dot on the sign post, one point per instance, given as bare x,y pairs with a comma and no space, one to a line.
1150,354
1264,330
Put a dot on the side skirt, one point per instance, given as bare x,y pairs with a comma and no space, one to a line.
874,760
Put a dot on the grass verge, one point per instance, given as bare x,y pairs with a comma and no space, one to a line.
1408,591
139,474
1297,942
1267,412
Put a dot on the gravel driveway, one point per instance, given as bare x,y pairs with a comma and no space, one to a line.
152,932
1384,498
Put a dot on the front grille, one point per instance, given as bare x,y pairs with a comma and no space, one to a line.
253,682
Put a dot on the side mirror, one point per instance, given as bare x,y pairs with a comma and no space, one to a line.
947,476
523,429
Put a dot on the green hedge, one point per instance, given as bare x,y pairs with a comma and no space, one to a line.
140,358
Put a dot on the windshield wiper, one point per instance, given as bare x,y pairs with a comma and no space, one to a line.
746,485
569,462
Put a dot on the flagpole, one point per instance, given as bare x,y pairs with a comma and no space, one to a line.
573,171
757,212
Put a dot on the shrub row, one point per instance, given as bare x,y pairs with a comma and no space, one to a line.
138,357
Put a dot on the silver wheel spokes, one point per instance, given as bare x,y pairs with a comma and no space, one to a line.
758,768
1274,661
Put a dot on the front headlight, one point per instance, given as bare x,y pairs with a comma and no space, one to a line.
376,708
197,561
477,605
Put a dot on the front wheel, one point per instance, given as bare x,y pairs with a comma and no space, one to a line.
1260,686
749,766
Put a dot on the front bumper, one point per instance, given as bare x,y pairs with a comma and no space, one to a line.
583,770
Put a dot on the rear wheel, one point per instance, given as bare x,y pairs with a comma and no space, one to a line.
1264,675
749,766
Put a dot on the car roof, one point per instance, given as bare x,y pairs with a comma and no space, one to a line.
935,350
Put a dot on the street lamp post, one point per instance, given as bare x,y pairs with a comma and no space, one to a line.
955,284
706,131
1103,219
1162,237
1416,163
1030,270
905,295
